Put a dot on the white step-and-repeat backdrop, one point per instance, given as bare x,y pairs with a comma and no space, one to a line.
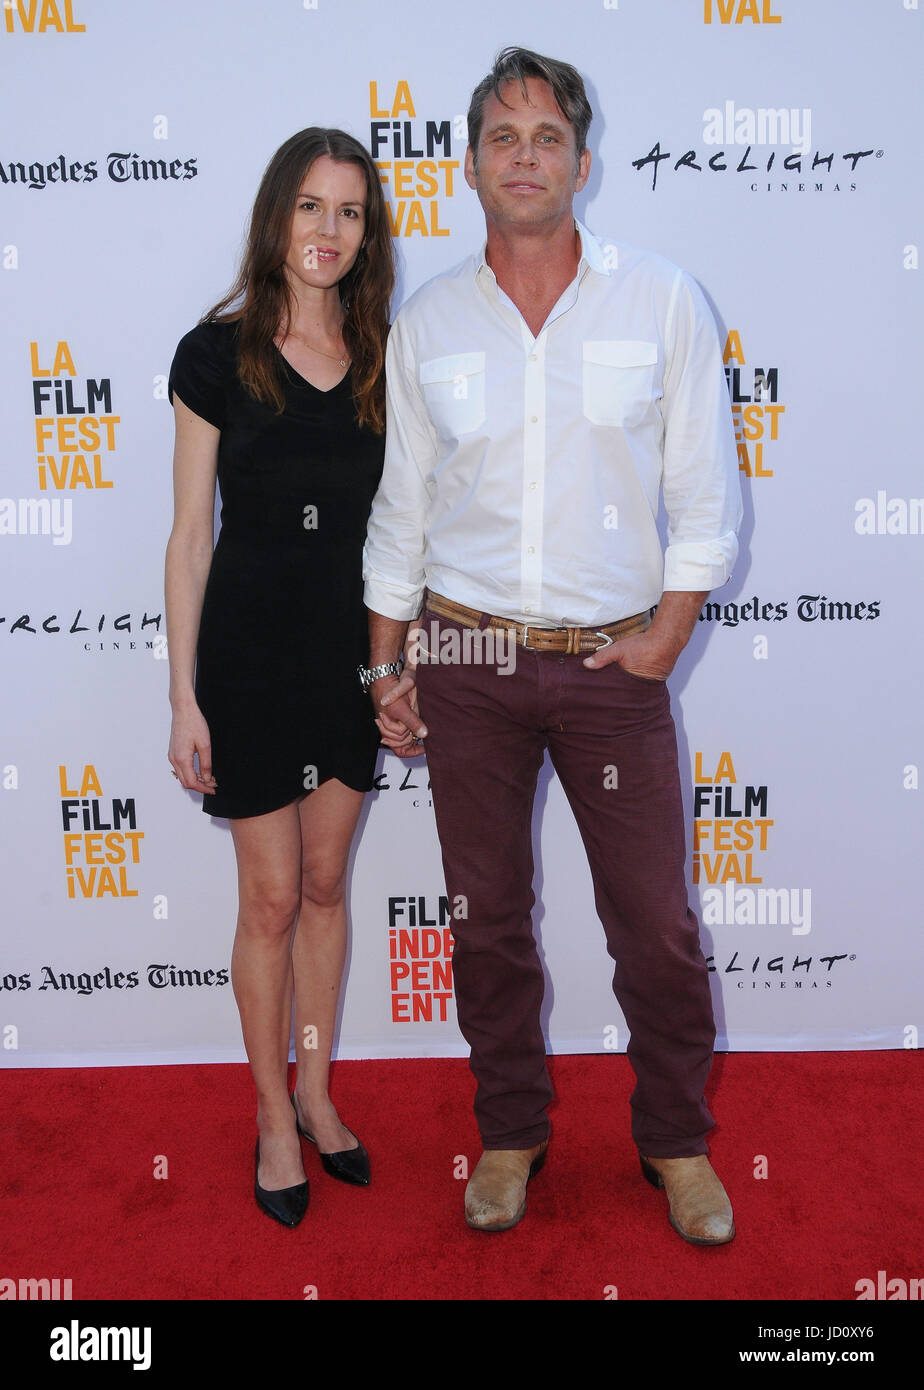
773,148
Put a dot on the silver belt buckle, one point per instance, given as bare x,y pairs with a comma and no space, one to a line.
607,641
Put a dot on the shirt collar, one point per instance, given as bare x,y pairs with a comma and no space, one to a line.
591,251
591,257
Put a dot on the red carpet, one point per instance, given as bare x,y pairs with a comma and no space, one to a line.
840,1132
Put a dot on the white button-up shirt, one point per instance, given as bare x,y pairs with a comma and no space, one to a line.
522,474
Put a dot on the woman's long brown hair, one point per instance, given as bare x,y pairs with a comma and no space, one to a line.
266,303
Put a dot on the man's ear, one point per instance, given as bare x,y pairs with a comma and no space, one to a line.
469,169
583,171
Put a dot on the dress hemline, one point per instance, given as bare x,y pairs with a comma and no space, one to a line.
209,806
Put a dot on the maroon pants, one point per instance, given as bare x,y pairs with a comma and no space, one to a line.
612,743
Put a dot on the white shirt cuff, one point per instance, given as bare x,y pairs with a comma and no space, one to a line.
696,566
392,601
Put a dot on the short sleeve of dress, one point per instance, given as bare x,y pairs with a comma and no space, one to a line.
201,371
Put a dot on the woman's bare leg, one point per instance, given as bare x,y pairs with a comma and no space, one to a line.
268,860
328,820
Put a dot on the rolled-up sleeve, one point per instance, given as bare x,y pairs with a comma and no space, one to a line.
395,550
700,483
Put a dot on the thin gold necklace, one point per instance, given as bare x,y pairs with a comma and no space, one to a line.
333,356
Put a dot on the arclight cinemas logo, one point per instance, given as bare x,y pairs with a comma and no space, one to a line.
759,140
76,1343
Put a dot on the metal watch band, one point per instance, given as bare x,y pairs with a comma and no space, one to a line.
369,674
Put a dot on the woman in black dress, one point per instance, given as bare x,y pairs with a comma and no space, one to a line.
279,394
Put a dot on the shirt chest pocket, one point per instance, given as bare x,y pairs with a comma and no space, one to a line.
619,381
453,389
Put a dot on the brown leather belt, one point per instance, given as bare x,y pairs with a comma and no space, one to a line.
569,640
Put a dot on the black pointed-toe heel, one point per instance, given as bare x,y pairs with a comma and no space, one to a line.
287,1204
349,1165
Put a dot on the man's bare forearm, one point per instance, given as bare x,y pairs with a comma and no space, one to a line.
386,638
676,617
653,653
394,698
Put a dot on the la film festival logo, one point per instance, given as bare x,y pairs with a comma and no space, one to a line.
75,442
731,829
101,838
756,411
420,957
41,17
75,429
414,160
737,11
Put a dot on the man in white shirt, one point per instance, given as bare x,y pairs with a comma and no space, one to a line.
540,396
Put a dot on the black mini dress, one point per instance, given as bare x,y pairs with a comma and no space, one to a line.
283,626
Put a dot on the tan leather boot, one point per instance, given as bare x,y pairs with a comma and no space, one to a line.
699,1207
495,1198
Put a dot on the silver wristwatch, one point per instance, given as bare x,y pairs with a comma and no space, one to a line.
369,674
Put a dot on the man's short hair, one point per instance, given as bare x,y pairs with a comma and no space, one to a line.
515,65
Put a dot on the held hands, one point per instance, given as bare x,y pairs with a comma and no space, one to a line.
395,702
189,738
401,727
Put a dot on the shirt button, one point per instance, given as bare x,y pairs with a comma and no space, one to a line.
530,550
528,608
532,357
534,419
533,486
